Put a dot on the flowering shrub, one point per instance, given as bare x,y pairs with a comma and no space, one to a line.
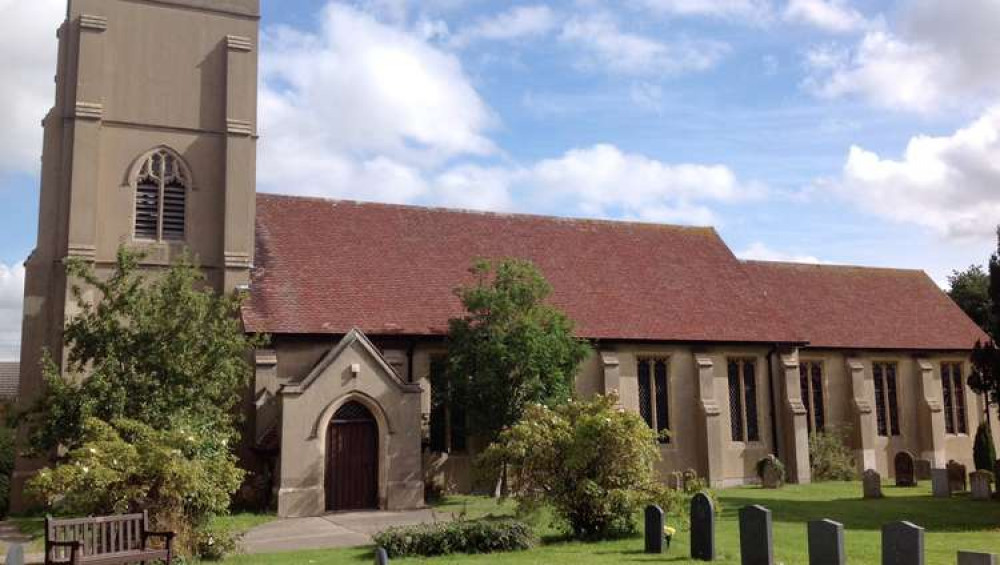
591,461
183,476
829,457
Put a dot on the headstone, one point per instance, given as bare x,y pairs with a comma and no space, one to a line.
689,477
677,480
826,543
956,476
15,555
940,485
756,539
872,483
381,557
902,544
771,475
702,528
974,558
904,467
979,482
923,469
654,529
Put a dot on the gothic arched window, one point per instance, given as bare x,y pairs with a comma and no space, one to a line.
161,185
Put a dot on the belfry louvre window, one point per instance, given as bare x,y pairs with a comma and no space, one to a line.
161,187
743,400
886,399
811,382
447,418
654,404
953,390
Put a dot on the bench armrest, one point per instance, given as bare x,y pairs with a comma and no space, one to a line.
164,535
73,545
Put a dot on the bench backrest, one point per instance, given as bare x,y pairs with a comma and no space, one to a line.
97,535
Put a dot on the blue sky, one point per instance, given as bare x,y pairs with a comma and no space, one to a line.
812,130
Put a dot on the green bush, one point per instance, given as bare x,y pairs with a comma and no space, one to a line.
182,476
830,458
214,543
6,465
485,535
983,452
590,461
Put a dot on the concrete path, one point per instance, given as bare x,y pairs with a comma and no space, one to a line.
346,529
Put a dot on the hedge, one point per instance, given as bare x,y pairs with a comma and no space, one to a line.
484,535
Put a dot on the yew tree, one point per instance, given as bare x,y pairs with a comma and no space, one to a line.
985,376
511,348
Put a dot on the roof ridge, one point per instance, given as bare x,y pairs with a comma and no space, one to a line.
831,266
472,211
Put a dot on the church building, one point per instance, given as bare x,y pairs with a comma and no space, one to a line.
151,144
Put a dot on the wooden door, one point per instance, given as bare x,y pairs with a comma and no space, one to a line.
352,460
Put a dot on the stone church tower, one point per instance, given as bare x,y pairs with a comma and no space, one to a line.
151,144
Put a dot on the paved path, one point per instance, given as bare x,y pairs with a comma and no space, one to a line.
11,535
347,529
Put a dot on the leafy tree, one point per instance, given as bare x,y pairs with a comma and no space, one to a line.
183,476
590,461
970,289
984,453
511,349
985,376
163,351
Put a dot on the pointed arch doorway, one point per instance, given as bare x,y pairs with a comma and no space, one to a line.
352,459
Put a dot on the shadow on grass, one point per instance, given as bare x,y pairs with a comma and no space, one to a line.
956,514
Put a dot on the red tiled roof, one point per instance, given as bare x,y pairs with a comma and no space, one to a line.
325,266
865,308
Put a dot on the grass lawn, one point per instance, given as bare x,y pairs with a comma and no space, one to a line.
951,524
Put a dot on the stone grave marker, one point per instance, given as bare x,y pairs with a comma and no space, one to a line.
979,482
826,543
902,544
756,538
771,475
923,469
15,555
974,558
654,529
872,483
702,528
904,467
381,557
940,485
689,477
956,476
677,480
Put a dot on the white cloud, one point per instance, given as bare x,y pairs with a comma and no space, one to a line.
950,184
607,47
515,23
28,46
753,10
11,299
939,55
758,251
830,15
606,182
360,108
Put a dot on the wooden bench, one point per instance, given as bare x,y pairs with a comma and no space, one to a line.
105,540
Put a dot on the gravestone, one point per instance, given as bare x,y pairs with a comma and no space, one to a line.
956,476
904,467
654,529
979,482
939,483
677,480
923,469
381,557
826,543
690,476
902,544
15,555
872,483
771,475
974,558
702,528
756,539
